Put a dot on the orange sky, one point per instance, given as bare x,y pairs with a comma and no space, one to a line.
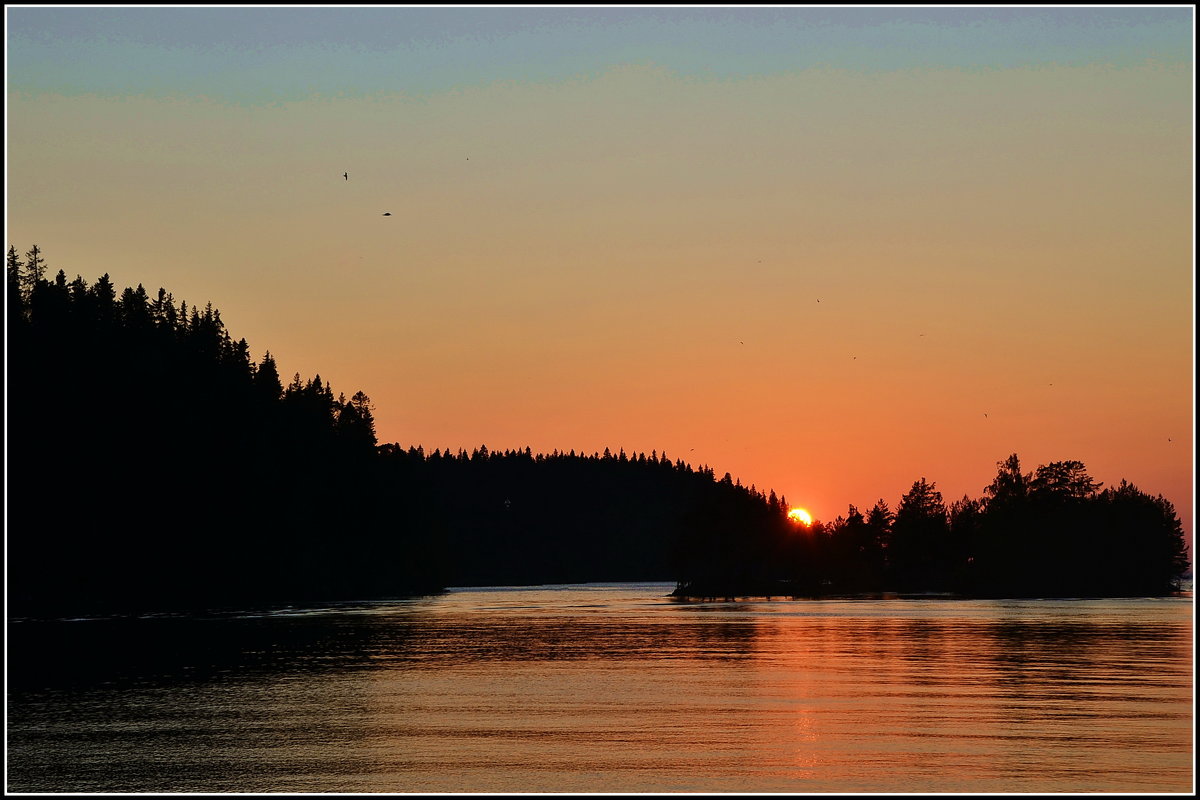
818,277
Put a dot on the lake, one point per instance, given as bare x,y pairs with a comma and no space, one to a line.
610,688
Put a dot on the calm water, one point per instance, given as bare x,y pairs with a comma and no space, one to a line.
610,688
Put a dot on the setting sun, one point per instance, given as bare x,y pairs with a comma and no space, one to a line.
800,515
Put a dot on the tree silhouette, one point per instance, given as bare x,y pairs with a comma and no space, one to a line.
15,282
1063,479
34,268
1138,546
266,379
920,540
164,468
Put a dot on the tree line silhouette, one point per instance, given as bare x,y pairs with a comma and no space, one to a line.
1048,533
153,464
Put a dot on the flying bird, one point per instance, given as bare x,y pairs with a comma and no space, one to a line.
346,175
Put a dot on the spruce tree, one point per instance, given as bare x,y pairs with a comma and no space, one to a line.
35,268
16,298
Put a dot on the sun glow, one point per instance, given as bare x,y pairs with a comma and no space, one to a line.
800,515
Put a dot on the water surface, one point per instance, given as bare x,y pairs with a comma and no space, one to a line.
610,688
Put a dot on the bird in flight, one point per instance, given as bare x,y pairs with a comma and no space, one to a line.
985,413
346,175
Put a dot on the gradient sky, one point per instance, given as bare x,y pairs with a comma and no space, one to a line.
812,247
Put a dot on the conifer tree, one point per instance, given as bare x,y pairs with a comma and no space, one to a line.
35,268
266,378
16,298
104,298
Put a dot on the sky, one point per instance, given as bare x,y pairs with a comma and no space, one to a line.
830,251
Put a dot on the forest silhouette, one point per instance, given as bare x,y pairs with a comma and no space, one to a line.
153,464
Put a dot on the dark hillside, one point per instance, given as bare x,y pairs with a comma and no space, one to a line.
153,464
